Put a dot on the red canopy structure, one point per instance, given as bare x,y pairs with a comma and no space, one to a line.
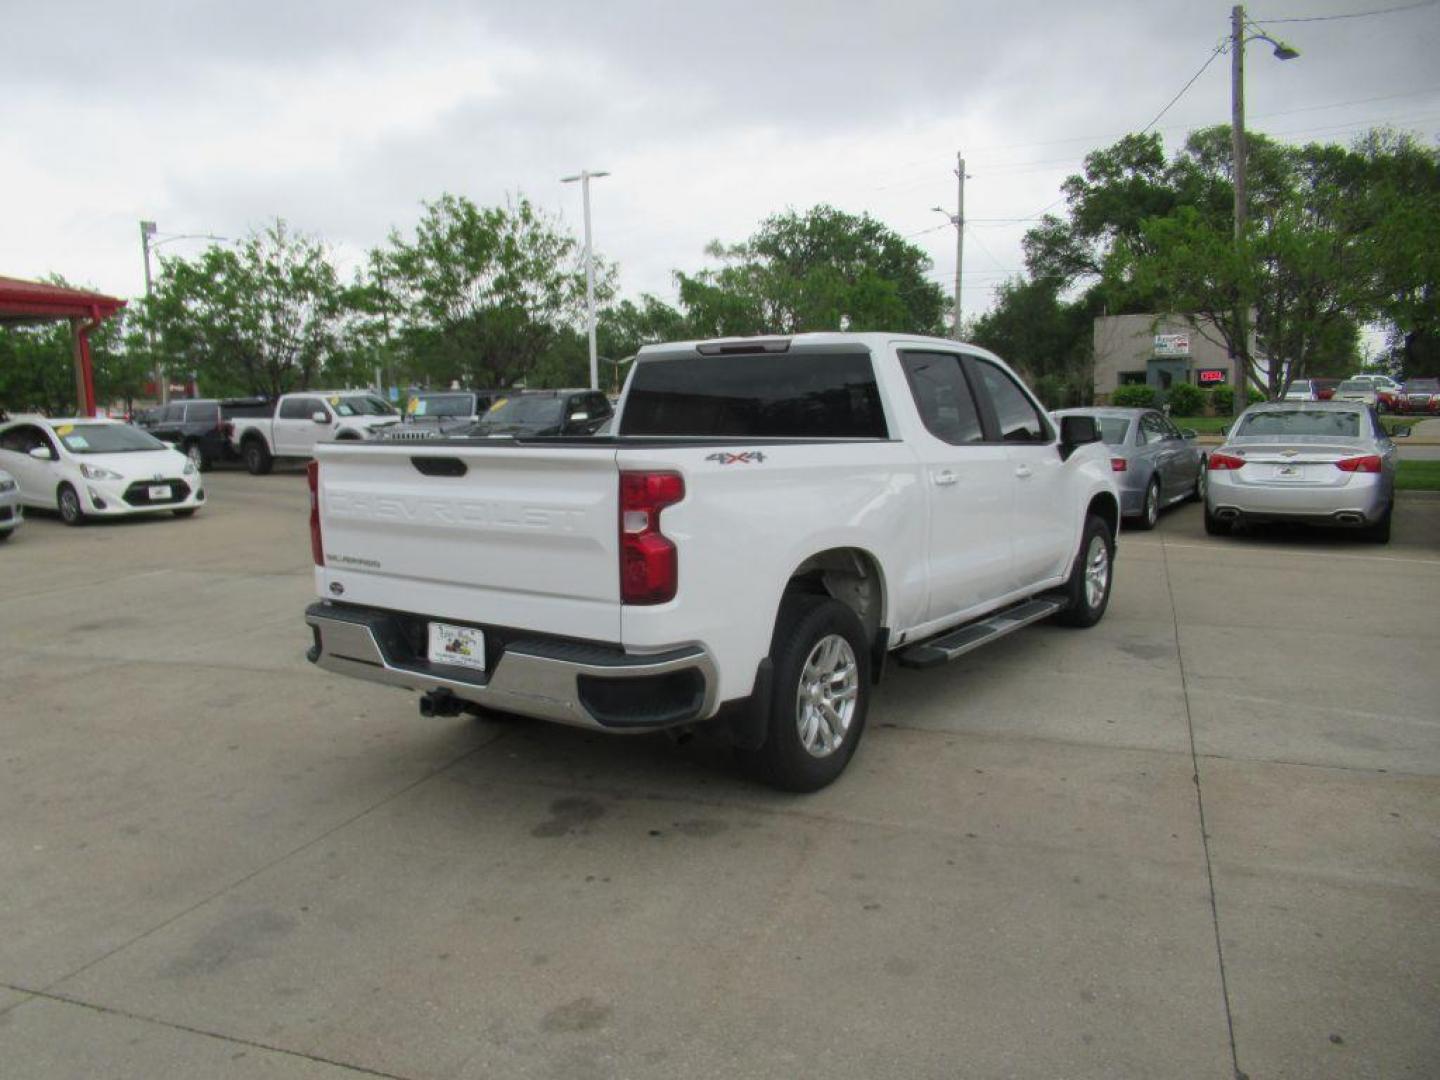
34,301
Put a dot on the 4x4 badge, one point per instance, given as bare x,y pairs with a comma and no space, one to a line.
746,457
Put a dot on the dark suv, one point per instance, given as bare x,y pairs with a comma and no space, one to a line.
546,412
198,426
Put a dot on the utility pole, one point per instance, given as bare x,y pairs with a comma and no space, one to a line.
1241,341
147,230
958,220
585,176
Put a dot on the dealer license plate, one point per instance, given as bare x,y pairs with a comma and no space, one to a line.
159,491
463,646
1289,472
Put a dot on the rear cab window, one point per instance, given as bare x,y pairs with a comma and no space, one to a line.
826,393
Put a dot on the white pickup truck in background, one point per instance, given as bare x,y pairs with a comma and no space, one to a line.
771,520
303,419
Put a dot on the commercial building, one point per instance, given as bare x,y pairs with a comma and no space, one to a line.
1159,351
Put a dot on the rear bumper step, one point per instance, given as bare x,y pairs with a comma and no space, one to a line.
582,684
964,639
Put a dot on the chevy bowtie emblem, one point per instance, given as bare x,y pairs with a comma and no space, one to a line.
1288,453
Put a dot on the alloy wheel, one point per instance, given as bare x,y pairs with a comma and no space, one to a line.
825,699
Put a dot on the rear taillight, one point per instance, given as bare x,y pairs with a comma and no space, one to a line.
1117,464
312,478
1220,462
649,566
1366,463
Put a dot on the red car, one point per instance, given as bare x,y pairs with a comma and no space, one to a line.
1419,396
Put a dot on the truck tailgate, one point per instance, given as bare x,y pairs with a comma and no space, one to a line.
496,534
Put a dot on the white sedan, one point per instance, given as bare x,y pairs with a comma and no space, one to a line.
97,468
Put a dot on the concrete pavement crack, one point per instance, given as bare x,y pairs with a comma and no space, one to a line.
1204,832
80,1003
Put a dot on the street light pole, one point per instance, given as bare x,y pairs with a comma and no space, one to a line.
147,230
1241,340
585,176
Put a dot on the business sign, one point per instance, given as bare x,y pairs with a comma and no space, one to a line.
1210,376
1172,345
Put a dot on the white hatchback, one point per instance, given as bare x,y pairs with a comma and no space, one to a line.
97,468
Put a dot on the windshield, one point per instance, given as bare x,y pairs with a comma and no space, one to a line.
361,406
534,411
1330,423
441,405
1113,429
105,438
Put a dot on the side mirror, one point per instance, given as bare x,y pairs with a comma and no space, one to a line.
1075,432
42,453
1188,433
320,417
1400,433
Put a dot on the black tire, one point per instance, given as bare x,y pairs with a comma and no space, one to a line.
1379,533
67,499
808,625
1150,508
188,511
196,453
257,457
1198,495
5,534
1214,526
1086,606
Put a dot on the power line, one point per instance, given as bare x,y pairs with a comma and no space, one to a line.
1355,14
1208,61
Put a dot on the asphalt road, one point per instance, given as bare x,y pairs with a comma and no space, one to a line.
1199,838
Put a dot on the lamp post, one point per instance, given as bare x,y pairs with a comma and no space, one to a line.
585,176
1241,341
148,232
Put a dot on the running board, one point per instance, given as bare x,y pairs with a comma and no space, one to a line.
954,643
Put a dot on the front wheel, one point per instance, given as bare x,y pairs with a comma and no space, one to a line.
196,453
819,696
1088,590
71,512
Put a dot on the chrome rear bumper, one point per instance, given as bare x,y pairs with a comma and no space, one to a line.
581,684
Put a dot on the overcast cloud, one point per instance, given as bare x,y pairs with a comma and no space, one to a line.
342,117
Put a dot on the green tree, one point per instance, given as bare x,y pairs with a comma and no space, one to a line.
823,270
1046,338
265,318
483,294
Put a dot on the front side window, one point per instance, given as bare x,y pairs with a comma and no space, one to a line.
1017,417
942,397
23,439
300,408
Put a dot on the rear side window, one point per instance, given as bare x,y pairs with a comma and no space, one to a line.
942,397
787,395
1018,419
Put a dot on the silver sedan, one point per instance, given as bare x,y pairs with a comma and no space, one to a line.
1156,464
1322,462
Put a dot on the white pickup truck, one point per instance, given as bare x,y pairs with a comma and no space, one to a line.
771,520
304,419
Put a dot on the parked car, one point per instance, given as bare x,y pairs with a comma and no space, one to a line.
304,419
12,515
1311,390
1155,463
1388,392
1420,396
201,427
432,414
773,519
1324,463
545,412
1358,391
97,468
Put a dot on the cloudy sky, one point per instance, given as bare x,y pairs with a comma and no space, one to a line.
342,115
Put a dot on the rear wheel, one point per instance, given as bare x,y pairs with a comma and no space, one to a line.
257,458
71,512
1088,590
1150,508
1199,495
819,697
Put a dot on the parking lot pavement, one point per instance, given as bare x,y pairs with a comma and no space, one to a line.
1200,837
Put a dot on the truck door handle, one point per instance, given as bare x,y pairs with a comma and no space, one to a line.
1022,470
946,477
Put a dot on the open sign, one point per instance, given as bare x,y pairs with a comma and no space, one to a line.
1211,376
